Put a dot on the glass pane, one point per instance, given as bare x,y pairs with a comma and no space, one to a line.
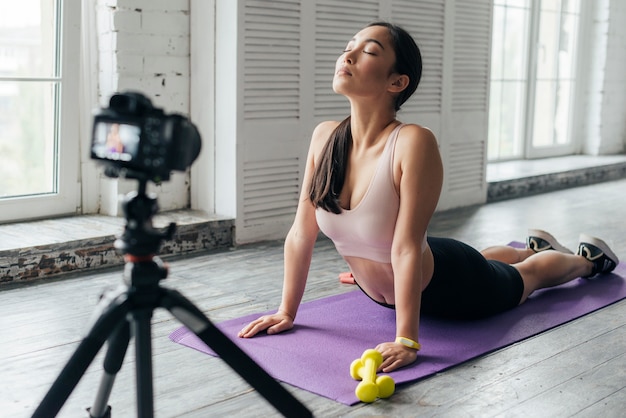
515,44
27,138
508,82
543,128
506,116
553,5
548,46
571,6
552,113
567,47
27,38
563,101
498,56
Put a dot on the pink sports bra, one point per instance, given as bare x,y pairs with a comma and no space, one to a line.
366,231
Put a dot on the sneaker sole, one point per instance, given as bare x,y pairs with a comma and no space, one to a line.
539,233
584,238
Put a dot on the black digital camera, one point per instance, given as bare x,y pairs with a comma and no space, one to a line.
137,140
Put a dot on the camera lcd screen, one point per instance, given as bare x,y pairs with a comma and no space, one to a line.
115,141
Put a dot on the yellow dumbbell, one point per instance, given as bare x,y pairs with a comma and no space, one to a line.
371,387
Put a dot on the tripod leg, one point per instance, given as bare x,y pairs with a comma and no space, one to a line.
117,346
190,316
114,307
143,362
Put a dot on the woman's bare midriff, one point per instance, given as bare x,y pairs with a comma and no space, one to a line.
376,279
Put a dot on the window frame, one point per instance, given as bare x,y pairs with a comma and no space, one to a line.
531,151
66,199
526,150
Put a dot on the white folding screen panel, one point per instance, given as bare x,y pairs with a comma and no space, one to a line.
274,71
271,152
467,106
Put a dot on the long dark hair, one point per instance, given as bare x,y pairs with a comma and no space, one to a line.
330,172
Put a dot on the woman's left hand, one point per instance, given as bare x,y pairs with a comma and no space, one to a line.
395,356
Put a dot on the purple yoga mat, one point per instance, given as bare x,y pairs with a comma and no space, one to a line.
331,332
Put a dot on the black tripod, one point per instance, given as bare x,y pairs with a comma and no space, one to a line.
127,311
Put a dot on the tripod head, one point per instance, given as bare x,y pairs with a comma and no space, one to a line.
140,239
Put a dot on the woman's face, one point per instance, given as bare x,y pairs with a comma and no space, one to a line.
366,66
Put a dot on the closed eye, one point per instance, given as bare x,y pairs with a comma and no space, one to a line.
365,52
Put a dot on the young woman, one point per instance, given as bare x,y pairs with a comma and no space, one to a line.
371,185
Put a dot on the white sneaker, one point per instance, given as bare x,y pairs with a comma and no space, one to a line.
539,240
595,250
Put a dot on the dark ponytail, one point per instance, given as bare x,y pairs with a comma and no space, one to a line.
330,172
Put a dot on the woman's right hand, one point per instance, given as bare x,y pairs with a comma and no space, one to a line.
298,250
273,324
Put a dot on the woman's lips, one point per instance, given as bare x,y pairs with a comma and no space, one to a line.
343,71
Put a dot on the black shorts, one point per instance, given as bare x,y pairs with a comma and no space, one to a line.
465,285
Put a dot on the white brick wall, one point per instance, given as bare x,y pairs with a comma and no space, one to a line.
613,120
144,46
605,98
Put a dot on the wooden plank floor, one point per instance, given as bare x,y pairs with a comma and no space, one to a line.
578,369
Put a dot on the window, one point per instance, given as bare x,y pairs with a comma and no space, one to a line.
533,78
38,108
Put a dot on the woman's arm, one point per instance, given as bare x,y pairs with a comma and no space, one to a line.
420,172
298,248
